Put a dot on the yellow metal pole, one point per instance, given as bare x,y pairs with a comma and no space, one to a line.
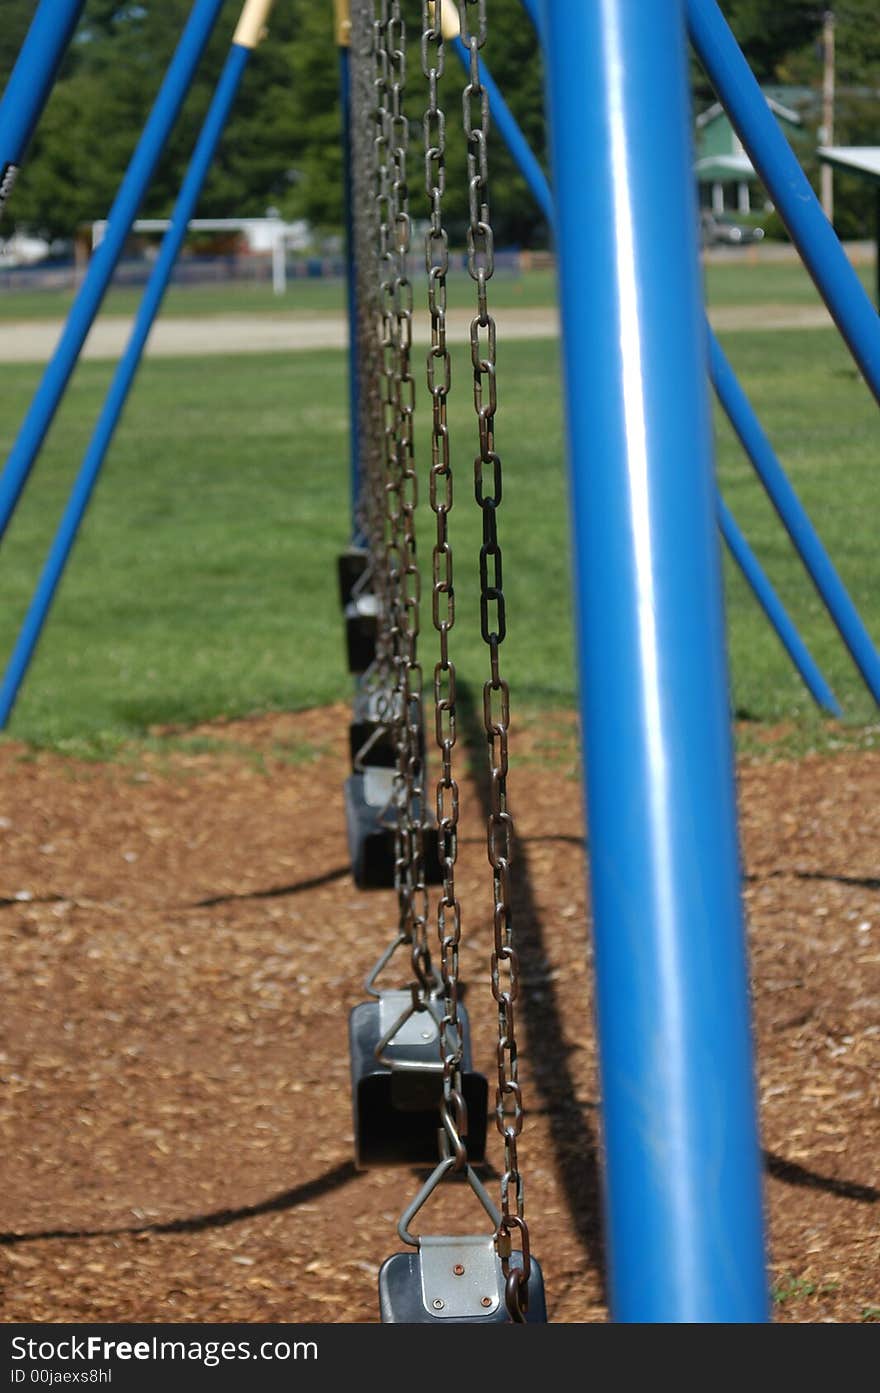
450,24
342,20
251,27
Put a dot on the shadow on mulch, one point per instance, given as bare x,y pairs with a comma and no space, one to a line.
574,1139
218,1219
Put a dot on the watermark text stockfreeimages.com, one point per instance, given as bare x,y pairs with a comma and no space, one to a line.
95,1349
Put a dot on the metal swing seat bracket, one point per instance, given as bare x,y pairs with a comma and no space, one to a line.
457,1277
370,817
397,1081
371,729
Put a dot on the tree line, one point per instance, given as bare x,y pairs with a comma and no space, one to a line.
282,148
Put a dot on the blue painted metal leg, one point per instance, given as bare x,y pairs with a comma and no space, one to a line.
31,81
533,10
122,380
776,612
683,1164
788,186
794,518
740,412
131,192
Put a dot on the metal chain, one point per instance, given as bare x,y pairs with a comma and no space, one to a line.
368,159
410,860
493,626
439,371
402,491
8,176
389,507
391,495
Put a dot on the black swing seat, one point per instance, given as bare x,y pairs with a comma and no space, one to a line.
351,564
361,630
396,1111
454,1278
371,736
369,820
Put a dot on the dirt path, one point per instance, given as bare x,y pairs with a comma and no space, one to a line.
33,341
181,943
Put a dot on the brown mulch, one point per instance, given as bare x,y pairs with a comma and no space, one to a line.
181,945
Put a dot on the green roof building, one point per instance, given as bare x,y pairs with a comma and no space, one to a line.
724,171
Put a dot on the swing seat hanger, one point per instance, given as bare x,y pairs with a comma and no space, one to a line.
458,1277
396,1101
454,1277
397,1075
370,820
374,718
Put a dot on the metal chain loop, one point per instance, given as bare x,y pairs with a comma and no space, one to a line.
493,625
391,489
369,173
439,373
402,489
390,498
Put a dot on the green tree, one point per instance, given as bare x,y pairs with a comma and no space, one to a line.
282,147
782,41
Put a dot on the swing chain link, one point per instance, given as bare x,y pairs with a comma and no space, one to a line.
496,696
399,483
369,172
389,509
439,375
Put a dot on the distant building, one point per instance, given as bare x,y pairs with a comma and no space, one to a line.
724,171
21,250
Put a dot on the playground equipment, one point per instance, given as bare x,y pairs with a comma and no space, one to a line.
87,303
761,455
411,1043
683,1200
31,82
48,396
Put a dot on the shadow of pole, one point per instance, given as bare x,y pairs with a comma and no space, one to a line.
574,1140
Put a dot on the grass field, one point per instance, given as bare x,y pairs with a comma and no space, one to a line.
728,283
204,581
303,296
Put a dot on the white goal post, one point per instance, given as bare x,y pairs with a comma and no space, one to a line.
269,234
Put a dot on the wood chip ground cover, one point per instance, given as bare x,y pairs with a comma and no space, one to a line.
181,945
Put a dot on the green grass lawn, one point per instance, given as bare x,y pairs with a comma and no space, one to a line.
303,296
204,581
729,283
747,282
231,297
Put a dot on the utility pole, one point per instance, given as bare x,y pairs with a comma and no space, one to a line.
827,137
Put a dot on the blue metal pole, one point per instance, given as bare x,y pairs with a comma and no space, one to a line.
131,192
791,511
739,411
776,612
122,380
789,187
795,518
683,1164
533,10
31,82
351,294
